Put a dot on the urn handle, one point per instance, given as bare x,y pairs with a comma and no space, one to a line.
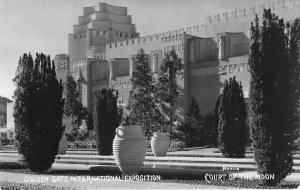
117,132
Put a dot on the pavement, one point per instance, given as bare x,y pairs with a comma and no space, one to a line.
84,163
95,182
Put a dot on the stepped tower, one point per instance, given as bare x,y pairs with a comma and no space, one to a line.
99,25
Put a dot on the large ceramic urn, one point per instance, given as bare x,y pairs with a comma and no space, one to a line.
160,143
64,143
129,149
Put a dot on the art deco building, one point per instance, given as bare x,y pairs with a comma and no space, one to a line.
103,44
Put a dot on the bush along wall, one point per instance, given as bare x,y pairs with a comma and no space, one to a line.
232,129
192,127
38,111
107,117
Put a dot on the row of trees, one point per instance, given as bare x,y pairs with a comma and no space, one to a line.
274,100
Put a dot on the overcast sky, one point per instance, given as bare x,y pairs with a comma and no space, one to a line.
43,25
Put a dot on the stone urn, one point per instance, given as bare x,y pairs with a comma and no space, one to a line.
63,145
129,149
160,143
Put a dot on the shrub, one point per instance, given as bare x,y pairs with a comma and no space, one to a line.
192,127
177,144
86,143
210,130
107,117
232,120
38,111
5,141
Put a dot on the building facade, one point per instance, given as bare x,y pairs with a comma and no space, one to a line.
6,113
102,47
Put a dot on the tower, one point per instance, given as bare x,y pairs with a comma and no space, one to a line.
99,25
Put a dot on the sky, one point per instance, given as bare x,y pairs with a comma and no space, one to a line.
43,25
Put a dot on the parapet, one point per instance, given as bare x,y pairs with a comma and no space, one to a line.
105,7
61,56
164,37
246,12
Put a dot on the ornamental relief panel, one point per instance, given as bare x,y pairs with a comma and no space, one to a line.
121,85
225,69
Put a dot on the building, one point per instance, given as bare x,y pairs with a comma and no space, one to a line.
103,44
5,130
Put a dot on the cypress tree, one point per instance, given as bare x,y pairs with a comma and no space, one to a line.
38,111
274,92
141,97
107,117
232,116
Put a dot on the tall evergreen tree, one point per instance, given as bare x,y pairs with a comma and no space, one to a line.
167,90
73,108
38,111
274,92
232,120
107,117
141,97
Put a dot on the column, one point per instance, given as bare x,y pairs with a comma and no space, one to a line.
222,41
112,68
131,65
154,62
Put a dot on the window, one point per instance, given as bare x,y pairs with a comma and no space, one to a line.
3,135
